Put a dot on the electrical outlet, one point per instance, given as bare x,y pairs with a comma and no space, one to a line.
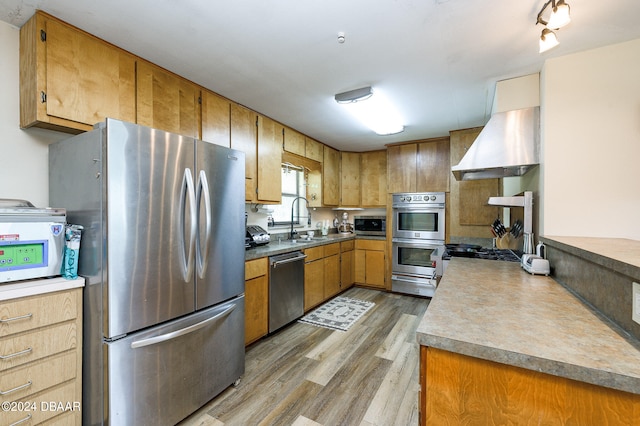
635,296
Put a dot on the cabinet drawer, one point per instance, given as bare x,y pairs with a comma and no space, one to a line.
46,405
32,312
347,245
314,253
331,249
255,268
37,376
22,348
370,245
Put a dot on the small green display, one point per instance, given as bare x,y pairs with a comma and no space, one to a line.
21,256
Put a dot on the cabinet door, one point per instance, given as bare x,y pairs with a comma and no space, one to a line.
401,168
294,142
347,272
314,150
470,216
330,177
166,101
360,263
269,160
350,178
374,268
216,119
256,297
244,138
70,80
313,283
433,166
374,178
331,276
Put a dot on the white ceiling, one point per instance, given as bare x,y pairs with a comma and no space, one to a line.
438,60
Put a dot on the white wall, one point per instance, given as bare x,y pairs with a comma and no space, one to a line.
591,136
23,153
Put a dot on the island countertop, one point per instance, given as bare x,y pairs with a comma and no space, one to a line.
496,311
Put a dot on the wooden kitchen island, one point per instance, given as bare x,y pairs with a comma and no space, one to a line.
502,347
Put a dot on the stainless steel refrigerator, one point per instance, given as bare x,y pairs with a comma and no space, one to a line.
162,253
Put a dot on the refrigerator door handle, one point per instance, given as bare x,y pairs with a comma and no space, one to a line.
174,334
188,191
202,251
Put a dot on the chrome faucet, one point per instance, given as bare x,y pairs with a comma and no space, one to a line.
308,211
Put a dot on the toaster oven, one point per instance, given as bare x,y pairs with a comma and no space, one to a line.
31,241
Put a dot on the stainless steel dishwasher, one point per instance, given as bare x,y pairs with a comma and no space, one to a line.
286,289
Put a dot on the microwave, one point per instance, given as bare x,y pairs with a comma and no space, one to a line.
370,225
31,241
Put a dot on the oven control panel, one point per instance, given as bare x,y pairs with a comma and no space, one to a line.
419,198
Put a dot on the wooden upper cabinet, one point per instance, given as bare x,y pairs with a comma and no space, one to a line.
314,150
349,179
373,172
166,101
330,177
433,166
402,167
294,142
71,80
216,119
470,216
270,134
244,138
423,166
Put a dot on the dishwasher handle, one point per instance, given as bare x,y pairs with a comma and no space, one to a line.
289,260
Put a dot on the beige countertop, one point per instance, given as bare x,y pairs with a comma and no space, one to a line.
496,311
618,254
25,288
284,246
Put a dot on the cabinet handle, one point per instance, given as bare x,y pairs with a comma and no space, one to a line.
26,385
21,421
24,352
27,316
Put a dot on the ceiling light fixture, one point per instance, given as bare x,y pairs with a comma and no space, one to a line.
377,113
548,40
558,18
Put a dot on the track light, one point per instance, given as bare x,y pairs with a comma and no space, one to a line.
558,18
548,40
373,110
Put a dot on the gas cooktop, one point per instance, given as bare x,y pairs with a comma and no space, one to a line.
506,255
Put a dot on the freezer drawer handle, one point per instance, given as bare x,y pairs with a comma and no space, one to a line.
22,420
293,259
27,316
181,332
17,388
13,355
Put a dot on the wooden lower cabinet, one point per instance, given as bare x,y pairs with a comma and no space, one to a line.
458,389
321,274
41,358
256,299
370,262
331,270
313,277
347,262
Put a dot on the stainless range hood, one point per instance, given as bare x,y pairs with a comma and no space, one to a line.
507,146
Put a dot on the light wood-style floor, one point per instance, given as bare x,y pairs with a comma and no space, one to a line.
306,375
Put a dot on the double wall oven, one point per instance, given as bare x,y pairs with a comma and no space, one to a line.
417,238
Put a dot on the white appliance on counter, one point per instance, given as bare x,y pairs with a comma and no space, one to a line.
162,254
418,233
31,241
